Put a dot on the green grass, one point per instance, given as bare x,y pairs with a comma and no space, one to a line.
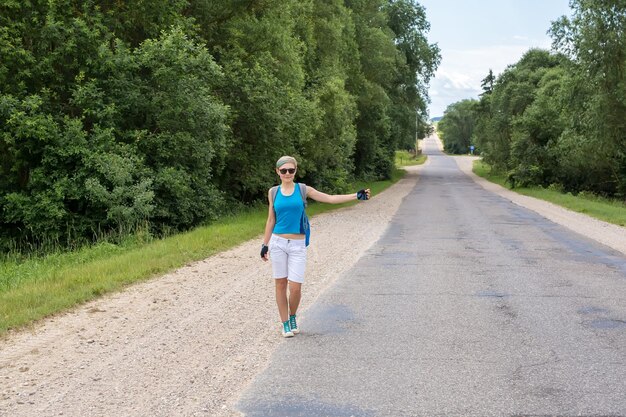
484,170
31,289
405,158
611,211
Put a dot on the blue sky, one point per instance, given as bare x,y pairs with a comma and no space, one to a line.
476,35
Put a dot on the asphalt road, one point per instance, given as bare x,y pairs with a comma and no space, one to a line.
468,305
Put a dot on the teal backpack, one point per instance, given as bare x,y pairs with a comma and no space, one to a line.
305,227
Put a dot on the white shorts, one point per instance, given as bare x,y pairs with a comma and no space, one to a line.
288,258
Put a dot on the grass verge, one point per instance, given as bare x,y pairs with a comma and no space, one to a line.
611,211
39,287
405,158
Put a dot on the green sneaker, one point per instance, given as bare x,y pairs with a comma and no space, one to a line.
293,324
287,329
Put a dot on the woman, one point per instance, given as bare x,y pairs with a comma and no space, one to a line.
284,237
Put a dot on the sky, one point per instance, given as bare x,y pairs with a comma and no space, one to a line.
477,35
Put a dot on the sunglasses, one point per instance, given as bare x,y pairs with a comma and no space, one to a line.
287,170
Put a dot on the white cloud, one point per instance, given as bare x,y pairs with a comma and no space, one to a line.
460,73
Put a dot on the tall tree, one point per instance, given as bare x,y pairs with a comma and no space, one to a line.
499,112
487,83
457,126
256,44
331,58
416,62
595,38
396,63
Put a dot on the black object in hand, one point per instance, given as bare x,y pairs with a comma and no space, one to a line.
264,249
361,195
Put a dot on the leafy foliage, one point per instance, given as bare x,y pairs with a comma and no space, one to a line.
457,126
116,116
558,119
595,39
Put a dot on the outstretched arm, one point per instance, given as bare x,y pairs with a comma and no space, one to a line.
337,198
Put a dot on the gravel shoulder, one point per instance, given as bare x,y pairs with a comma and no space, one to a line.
188,343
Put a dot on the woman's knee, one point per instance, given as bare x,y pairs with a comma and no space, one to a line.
295,287
281,283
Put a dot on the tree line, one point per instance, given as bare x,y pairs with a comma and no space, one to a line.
166,114
556,118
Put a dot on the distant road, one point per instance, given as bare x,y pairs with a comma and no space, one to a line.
469,305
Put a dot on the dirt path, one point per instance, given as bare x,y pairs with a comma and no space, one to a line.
185,344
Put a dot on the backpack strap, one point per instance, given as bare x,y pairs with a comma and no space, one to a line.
302,188
273,192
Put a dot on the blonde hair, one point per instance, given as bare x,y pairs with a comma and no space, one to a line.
285,160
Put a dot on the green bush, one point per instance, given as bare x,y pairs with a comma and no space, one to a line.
154,117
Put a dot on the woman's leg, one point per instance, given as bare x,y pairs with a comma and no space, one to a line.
297,267
281,298
295,293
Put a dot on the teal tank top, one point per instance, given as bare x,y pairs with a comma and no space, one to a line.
288,211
